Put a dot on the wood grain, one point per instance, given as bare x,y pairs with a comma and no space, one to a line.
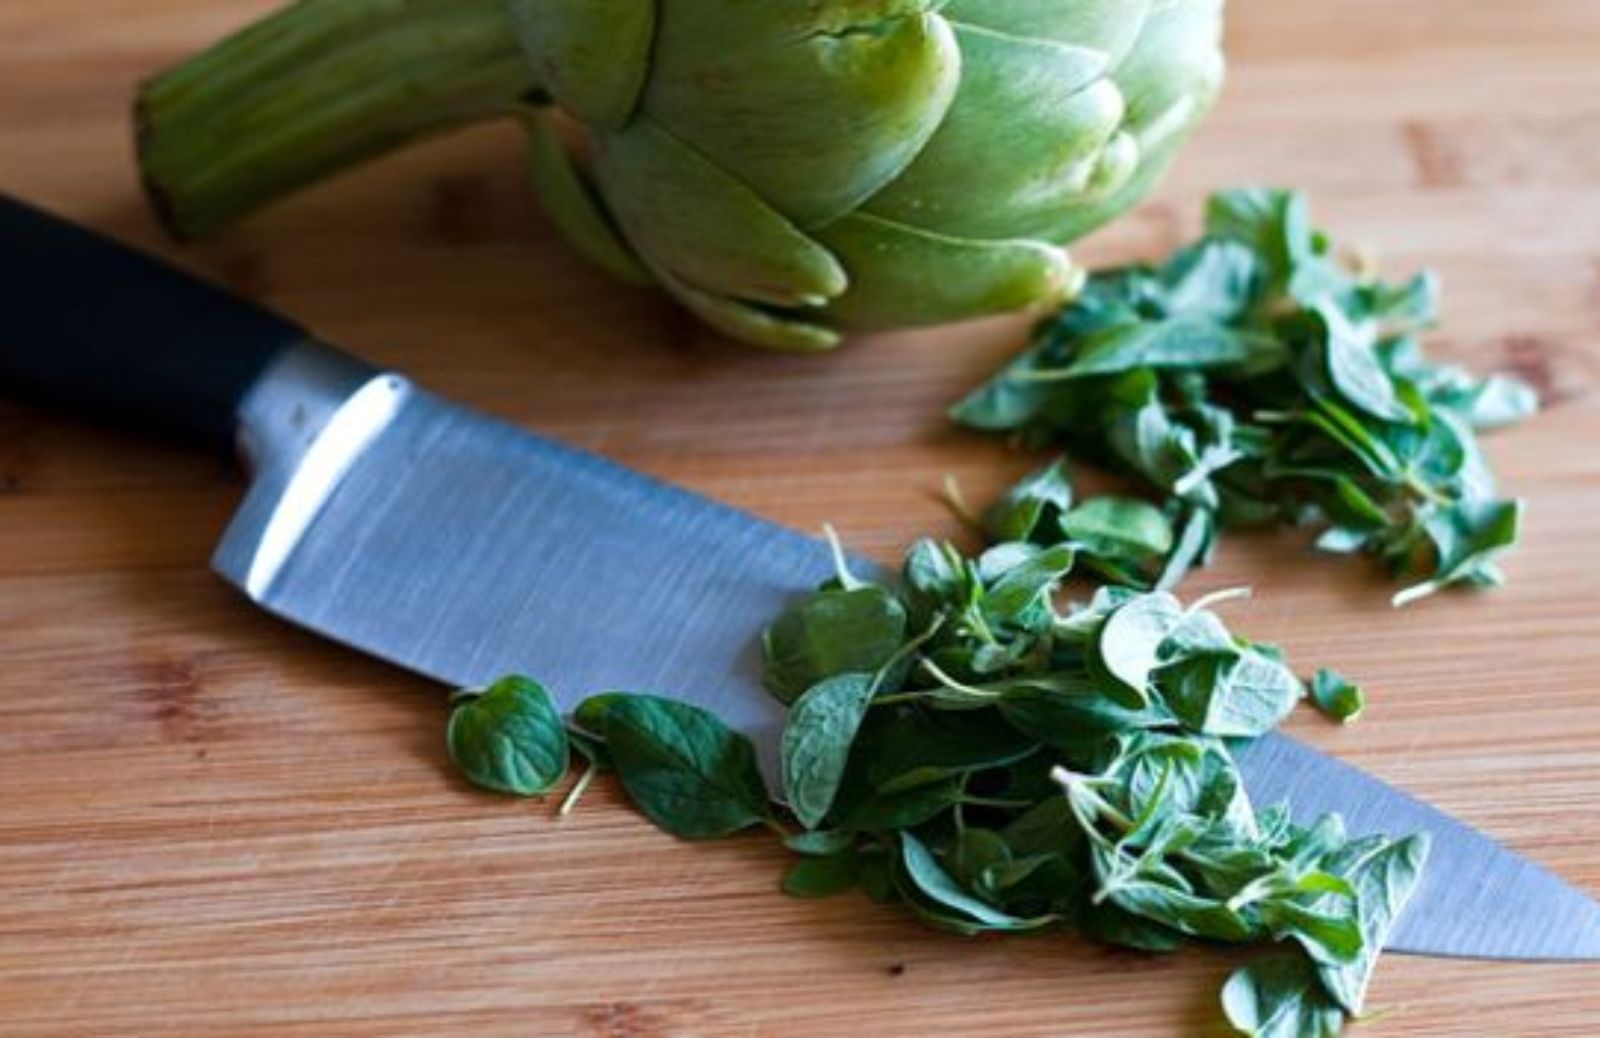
213,824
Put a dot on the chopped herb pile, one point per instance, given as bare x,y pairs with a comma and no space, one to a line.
1253,379
961,745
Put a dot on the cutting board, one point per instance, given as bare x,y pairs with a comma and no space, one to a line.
211,823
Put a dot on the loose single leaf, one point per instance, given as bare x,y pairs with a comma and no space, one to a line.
1337,696
683,768
509,738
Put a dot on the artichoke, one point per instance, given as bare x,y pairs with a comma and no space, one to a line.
788,169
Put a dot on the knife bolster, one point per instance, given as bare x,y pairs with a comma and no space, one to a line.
300,428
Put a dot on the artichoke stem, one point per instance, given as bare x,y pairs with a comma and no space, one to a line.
317,87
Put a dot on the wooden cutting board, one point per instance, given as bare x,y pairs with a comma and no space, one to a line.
213,824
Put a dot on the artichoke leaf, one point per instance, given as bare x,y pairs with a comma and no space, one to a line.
815,106
747,323
591,56
705,228
1175,67
1097,209
1019,145
901,276
569,201
1111,26
1114,167
1170,81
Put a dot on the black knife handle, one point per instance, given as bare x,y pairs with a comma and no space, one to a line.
94,325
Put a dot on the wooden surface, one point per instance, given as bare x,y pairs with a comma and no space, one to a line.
212,824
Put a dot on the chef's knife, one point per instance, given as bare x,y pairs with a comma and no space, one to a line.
464,548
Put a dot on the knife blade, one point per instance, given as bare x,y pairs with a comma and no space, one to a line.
464,548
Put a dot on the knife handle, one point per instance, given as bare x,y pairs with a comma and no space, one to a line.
94,325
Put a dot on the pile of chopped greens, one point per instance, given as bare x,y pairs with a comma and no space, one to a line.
959,744
1253,379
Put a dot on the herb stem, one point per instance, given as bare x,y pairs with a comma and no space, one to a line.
575,794
951,494
956,686
995,802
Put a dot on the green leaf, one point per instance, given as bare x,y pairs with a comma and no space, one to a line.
1212,279
1026,586
923,747
1108,924
1118,528
816,742
1330,937
1180,910
683,768
509,738
1399,309
818,877
976,852
1239,694
1383,882
1034,500
820,843
1466,538
1498,401
1195,539
1074,712
945,902
1353,367
1190,343
877,812
1337,696
1273,224
1280,997
934,576
1006,401
1045,828
591,713
832,632
1129,645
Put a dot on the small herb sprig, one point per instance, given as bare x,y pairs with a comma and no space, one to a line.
959,744
1252,379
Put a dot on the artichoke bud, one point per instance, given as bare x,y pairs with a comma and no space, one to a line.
790,170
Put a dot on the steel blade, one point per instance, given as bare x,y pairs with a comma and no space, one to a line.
1476,899
464,549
